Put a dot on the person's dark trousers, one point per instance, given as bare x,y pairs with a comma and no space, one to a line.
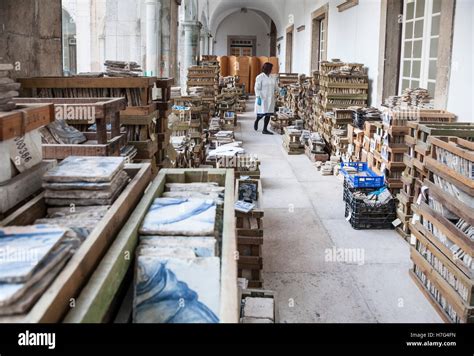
259,117
265,122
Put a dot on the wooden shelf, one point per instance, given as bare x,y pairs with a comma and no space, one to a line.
418,230
449,265
453,204
448,228
462,182
464,312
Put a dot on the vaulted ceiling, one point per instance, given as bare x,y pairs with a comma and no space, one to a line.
220,9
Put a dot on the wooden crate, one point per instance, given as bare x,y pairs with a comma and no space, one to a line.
250,238
466,314
468,317
97,297
418,227
164,85
21,187
24,119
63,87
462,149
102,110
53,305
445,264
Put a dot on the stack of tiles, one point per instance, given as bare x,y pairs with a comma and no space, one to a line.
33,257
85,181
8,88
177,277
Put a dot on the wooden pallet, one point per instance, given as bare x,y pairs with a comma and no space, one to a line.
53,305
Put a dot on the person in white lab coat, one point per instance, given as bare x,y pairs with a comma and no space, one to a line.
265,88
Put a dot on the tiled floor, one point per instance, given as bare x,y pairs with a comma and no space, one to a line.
304,221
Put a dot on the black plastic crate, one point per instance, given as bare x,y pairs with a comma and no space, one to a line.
366,216
349,189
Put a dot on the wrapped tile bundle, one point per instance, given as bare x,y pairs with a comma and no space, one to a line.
32,258
85,181
8,88
177,277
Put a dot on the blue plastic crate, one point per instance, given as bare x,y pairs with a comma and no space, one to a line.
372,180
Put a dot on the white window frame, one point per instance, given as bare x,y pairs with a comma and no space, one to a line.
322,39
426,38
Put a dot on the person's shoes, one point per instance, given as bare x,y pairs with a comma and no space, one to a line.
266,132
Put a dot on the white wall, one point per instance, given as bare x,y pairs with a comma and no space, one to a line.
353,35
122,30
461,86
243,24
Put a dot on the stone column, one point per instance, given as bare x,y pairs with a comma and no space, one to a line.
165,38
152,36
191,47
205,41
83,30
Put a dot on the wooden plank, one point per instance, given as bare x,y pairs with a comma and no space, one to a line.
60,152
419,230
450,202
139,110
27,214
443,287
448,228
462,182
85,83
455,145
229,290
54,303
448,263
23,186
430,298
25,119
